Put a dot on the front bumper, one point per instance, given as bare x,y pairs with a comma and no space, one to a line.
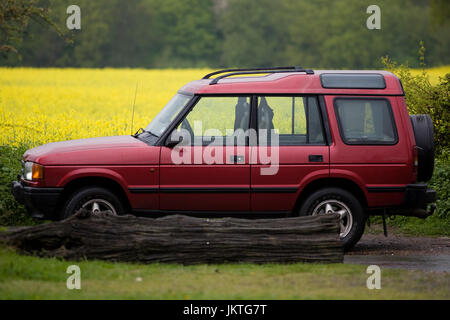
40,203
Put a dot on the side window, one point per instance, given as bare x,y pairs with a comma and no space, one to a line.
296,120
365,121
213,119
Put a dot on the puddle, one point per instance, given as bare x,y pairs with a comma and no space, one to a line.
439,263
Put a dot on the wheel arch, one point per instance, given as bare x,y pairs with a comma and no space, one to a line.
97,181
342,183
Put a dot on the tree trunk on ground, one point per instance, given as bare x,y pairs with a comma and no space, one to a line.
182,239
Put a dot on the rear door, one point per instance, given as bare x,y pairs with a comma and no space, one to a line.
211,170
368,147
291,151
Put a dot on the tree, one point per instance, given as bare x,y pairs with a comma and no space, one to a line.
440,12
15,16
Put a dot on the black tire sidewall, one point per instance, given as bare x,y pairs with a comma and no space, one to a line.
357,212
77,198
424,136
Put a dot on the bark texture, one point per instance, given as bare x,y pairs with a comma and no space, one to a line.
182,239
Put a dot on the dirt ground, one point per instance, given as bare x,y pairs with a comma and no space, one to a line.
397,244
401,251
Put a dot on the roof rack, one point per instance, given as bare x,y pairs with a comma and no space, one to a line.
249,69
233,72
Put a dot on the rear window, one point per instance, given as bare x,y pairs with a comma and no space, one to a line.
365,121
352,81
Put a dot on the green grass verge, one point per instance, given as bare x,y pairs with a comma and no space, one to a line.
410,226
28,277
431,226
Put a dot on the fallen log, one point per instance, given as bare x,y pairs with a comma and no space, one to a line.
182,239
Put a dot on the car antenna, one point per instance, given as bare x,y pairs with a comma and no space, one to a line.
134,103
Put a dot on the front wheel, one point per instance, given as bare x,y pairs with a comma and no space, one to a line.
94,199
342,202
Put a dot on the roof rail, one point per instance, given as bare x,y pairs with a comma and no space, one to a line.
250,69
216,80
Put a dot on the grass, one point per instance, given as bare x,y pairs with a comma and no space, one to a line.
411,226
431,226
28,277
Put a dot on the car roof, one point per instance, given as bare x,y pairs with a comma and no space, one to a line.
292,83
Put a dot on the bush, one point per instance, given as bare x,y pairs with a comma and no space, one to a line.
424,98
11,212
441,183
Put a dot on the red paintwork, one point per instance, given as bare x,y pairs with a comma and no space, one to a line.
368,166
288,83
133,164
294,170
203,175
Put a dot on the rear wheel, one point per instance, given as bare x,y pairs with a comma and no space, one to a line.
342,202
94,199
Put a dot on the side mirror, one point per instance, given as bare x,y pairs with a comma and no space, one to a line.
173,140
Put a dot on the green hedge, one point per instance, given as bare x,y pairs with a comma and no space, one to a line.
11,212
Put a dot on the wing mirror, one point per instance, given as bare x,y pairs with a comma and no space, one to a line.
173,140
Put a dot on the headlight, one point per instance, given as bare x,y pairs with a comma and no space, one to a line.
33,171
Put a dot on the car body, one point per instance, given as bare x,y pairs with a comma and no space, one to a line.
344,133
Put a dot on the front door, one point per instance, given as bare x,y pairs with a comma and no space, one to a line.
210,170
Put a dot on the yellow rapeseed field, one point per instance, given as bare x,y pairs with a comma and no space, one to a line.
433,73
45,105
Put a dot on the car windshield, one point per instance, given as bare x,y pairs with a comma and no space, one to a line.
163,119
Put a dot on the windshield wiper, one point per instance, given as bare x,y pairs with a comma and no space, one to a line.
142,130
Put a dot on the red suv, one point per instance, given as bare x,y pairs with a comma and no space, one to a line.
270,142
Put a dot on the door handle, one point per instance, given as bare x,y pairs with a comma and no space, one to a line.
315,158
237,159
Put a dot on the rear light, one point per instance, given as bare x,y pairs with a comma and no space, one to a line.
415,159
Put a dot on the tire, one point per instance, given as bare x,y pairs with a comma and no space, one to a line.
423,133
87,196
351,228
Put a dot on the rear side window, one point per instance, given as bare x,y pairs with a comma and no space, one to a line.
296,120
365,121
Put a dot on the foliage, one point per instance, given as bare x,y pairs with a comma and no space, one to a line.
15,16
441,183
440,12
11,212
198,33
422,97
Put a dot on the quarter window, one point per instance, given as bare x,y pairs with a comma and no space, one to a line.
366,121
